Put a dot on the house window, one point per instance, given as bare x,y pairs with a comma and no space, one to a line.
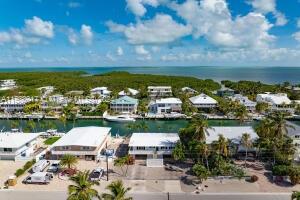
65,147
140,148
85,148
163,148
7,149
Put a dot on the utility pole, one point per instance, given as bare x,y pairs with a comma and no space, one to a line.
106,161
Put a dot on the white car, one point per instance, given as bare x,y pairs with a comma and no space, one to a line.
96,174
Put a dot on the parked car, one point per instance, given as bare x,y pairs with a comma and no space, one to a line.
96,174
40,166
54,166
38,178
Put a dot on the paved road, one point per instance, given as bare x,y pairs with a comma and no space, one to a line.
43,195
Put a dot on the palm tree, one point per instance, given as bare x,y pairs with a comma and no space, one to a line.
121,162
241,114
82,188
203,147
117,191
178,153
200,127
222,145
280,125
63,120
246,142
69,161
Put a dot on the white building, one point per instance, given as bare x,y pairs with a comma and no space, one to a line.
244,100
7,84
166,105
18,146
56,102
233,133
294,134
188,90
101,91
46,90
15,104
88,102
130,92
277,102
203,101
159,91
124,104
152,146
83,142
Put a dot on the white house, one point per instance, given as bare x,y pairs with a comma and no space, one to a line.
152,146
18,146
277,102
124,104
203,101
130,92
88,102
233,133
46,90
294,134
159,91
101,91
188,90
83,142
244,100
56,101
7,84
166,105
15,104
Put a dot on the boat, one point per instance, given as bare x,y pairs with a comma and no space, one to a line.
119,118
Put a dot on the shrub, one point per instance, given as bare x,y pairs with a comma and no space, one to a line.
19,172
294,174
28,165
280,170
253,178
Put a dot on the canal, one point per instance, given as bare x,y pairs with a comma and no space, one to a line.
164,126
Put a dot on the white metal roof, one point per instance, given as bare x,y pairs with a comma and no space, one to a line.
278,99
159,87
84,136
202,99
153,139
130,90
233,133
88,101
169,101
16,140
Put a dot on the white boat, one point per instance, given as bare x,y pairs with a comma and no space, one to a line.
119,118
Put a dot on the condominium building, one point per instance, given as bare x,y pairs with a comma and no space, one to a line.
101,91
159,91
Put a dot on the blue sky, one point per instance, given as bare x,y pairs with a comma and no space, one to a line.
88,33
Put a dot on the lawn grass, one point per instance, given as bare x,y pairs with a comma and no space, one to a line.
51,140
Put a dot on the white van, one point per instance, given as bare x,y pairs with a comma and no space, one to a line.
40,165
38,178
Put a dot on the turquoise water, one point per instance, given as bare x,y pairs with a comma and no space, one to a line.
165,126
263,74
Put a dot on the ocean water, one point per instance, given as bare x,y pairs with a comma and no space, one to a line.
264,74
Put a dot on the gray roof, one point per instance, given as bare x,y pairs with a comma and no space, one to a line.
295,131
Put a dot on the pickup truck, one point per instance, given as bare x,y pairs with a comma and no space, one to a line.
96,174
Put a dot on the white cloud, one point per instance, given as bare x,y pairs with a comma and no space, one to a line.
137,7
27,55
161,29
120,51
141,50
86,33
212,20
110,57
74,4
38,27
298,23
297,36
72,36
269,6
